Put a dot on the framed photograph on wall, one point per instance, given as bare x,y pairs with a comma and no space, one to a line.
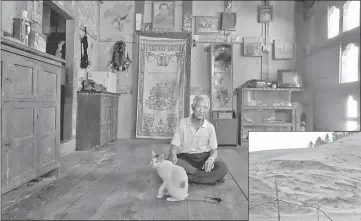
265,13
252,46
283,50
163,15
207,25
228,21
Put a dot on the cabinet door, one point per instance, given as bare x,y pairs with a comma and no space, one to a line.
48,97
18,78
19,143
49,137
226,130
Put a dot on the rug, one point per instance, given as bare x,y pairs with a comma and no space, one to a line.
162,86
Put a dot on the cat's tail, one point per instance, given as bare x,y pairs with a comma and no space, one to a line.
204,198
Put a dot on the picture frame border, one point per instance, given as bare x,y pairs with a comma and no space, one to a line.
196,22
221,21
244,46
275,43
163,29
260,8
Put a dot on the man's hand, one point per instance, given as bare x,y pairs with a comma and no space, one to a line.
208,165
173,158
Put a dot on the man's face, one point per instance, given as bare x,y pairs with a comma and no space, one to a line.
163,10
199,109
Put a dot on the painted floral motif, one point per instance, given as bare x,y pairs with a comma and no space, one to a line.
172,122
148,122
161,97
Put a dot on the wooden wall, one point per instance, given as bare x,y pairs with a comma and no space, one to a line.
321,69
245,68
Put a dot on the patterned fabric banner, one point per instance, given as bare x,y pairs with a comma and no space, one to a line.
161,86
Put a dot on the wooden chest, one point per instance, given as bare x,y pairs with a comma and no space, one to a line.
97,120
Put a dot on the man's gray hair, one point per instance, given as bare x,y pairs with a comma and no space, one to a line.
197,99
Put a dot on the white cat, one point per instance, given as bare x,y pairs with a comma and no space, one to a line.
175,181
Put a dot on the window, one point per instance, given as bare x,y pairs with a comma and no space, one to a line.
351,15
349,67
333,22
353,115
342,18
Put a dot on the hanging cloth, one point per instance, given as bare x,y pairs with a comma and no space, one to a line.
84,60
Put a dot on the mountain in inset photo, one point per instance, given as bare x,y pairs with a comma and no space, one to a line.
326,173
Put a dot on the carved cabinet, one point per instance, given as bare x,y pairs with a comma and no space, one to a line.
30,114
97,120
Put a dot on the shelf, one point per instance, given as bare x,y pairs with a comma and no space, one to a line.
272,89
268,124
268,107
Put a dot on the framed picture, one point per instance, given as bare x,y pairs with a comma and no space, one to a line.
228,21
207,25
265,13
163,15
252,46
283,50
288,78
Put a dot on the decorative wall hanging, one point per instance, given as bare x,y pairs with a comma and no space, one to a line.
221,77
252,46
283,50
207,25
265,13
163,83
84,59
163,15
228,21
120,58
117,21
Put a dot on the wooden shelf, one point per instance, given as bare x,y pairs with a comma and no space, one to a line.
276,124
268,107
271,89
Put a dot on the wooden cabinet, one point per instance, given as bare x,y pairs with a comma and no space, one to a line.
97,120
30,114
266,110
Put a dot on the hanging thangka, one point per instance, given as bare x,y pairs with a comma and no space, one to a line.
162,83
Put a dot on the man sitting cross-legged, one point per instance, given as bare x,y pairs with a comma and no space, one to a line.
194,147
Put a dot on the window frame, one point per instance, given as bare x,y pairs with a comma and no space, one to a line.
340,5
343,46
353,119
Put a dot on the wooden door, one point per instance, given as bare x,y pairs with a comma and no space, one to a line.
48,96
18,78
19,143
19,118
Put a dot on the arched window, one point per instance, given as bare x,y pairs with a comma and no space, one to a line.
349,63
353,115
351,15
333,21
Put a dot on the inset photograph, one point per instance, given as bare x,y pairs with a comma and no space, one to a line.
302,176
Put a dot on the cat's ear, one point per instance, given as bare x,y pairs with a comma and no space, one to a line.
153,154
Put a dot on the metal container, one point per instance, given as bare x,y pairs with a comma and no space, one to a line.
22,29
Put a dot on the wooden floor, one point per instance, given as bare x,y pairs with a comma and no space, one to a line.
118,183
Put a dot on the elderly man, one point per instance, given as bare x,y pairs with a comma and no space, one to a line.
194,147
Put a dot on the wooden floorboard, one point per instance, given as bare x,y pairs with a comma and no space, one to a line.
238,168
118,183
